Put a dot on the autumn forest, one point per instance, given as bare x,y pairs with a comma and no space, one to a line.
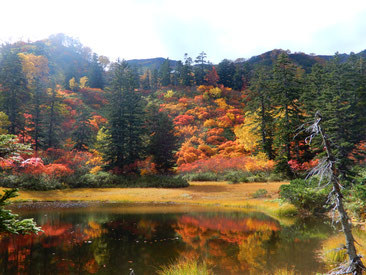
72,118
84,116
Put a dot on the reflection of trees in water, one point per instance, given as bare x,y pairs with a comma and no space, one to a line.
236,243
233,245
250,245
53,247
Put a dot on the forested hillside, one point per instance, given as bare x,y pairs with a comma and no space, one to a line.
89,119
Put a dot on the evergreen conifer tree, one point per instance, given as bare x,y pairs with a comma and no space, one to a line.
13,85
126,118
163,142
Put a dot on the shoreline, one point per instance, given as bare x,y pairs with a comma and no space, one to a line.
217,194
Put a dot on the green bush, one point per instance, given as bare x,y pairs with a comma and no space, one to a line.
235,176
101,179
275,177
105,179
305,196
30,182
161,181
232,176
356,201
360,192
205,176
260,193
257,178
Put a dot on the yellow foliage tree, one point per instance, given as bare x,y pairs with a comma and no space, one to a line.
245,133
35,68
73,84
169,94
215,92
4,123
84,82
221,103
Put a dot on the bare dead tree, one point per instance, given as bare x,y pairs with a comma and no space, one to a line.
327,170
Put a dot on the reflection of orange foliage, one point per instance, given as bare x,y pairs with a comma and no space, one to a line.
213,236
252,254
61,236
53,231
146,228
91,266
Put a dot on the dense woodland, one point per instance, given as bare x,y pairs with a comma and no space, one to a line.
92,122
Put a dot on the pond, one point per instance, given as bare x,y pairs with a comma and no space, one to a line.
97,238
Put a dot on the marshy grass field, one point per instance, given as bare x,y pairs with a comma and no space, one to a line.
197,193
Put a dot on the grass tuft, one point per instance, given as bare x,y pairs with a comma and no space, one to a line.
185,267
334,252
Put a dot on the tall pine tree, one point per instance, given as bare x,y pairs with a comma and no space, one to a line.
126,119
13,87
286,91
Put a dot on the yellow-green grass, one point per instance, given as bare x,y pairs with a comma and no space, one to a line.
284,271
185,267
333,251
198,193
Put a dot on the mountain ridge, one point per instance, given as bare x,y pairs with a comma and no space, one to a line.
266,58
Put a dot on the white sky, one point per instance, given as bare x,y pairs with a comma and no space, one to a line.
169,28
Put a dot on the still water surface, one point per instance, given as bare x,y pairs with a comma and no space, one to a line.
96,238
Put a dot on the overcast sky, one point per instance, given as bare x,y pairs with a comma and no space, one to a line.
167,28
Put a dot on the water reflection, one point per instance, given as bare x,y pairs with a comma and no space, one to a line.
103,240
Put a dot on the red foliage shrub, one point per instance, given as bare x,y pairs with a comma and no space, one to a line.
219,164
183,120
299,167
215,140
57,170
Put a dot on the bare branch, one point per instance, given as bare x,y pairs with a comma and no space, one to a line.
327,169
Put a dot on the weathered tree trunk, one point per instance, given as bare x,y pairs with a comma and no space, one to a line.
356,266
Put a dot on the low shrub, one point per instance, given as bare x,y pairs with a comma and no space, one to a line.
356,201
257,178
30,182
275,177
232,176
305,196
154,181
260,193
205,176
235,176
101,179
